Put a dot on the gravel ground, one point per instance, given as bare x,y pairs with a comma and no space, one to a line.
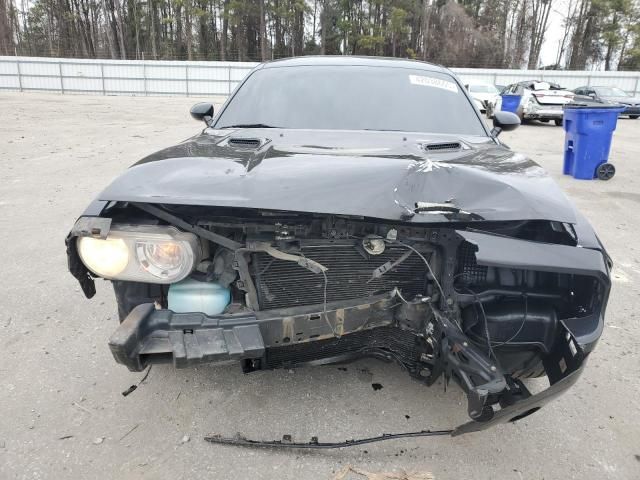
62,414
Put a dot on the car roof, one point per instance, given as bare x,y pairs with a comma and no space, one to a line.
336,60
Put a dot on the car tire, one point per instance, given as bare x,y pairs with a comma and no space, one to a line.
633,117
558,122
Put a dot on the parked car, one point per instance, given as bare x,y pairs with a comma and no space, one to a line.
540,100
302,226
482,93
612,95
494,102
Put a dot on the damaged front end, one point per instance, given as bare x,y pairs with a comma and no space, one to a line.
484,304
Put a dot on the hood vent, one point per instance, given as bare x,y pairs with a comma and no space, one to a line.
247,143
443,147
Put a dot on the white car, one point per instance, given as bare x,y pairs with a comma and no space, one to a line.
539,100
482,93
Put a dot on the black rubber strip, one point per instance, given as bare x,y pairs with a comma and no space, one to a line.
240,441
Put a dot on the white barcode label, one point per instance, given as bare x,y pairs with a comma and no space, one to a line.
433,82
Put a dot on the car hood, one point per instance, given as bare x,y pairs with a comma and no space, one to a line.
367,174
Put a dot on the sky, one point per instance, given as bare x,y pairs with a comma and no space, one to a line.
555,30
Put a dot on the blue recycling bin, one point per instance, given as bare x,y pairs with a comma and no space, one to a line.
510,103
589,128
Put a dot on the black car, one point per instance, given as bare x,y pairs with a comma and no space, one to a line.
612,95
338,208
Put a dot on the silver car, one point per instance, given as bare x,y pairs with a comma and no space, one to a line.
540,100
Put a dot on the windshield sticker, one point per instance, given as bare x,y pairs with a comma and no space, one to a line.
433,82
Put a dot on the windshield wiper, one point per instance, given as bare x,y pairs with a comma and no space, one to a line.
250,125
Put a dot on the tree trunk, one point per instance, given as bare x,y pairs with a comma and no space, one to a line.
578,60
279,47
623,49
323,28
214,26
426,17
298,32
203,30
116,25
611,42
189,27
7,47
541,9
179,45
153,12
86,27
263,33
225,31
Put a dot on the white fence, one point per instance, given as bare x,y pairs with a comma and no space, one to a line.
121,77
136,77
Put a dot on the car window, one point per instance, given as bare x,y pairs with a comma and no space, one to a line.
352,98
611,92
478,88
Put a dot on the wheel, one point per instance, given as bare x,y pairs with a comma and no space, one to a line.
606,171
633,117
558,122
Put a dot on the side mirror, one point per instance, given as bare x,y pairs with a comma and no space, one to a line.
202,112
504,121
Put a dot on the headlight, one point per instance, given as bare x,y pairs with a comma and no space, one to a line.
141,253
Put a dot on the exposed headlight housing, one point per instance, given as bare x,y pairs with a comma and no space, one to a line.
141,253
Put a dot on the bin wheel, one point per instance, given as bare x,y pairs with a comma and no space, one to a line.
558,122
633,117
606,171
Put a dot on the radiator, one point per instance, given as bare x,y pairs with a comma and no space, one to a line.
282,284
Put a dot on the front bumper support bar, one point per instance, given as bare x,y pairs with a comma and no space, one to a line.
137,339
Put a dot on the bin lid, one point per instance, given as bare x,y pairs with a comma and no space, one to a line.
593,106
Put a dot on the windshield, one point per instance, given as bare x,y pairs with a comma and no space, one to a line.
482,89
352,98
611,92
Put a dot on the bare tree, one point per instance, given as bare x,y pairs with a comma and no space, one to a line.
540,19
7,45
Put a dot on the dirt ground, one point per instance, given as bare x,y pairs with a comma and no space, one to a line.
62,414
